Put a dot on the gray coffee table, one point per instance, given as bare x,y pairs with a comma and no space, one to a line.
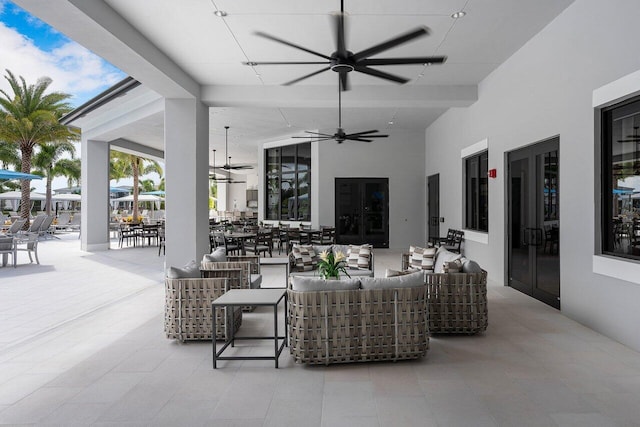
242,297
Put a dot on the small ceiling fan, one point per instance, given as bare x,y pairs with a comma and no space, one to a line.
227,179
340,136
343,61
228,166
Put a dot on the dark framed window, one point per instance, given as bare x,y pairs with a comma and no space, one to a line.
288,182
620,173
477,192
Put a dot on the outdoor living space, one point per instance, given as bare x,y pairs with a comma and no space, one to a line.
83,344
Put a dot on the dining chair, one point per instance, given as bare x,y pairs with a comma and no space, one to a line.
261,244
29,244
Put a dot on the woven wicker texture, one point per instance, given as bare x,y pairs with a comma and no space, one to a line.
253,260
187,313
359,325
238,274
457,301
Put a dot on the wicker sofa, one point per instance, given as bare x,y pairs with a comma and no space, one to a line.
457,300
295,268
357,320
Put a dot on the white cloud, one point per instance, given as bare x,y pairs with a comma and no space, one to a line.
73,69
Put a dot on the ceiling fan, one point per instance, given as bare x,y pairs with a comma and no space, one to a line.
343,61
340,136
227,179
228,165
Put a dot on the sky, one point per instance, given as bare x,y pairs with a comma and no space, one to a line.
33,49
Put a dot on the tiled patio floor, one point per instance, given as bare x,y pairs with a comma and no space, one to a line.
82,344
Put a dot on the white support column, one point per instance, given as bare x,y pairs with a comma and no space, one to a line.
186,149
95,210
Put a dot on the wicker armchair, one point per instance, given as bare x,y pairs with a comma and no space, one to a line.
187,313
358,325
238,274
457,301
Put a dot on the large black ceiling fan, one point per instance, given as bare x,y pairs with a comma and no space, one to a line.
344,61
340,136
228,166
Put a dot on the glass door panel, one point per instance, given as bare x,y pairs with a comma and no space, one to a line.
362,211
348,211
534,221
520,274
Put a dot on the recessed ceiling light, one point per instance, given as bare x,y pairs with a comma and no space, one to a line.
459,14
220,13
391,122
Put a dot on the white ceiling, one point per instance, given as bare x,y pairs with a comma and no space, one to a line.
211,49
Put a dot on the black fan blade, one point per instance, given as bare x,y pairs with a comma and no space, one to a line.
306,77
317,133
363,132
367,136
418,32
286,63
358,139
344,80
338,25
629,140
295,46
381,74
402,61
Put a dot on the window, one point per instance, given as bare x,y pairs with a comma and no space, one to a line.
288,182
477,192
621,179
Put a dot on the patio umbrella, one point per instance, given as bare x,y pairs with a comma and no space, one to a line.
7,174
155,193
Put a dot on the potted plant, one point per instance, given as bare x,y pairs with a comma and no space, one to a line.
331,265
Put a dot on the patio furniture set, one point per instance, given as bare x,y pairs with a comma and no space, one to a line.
360,318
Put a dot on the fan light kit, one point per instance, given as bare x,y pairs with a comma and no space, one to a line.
343,61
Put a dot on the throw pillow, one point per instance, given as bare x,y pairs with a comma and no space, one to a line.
454,266
359,257
443,256
191,270
305,257
218,255
415,279
421,258
312,284
471,267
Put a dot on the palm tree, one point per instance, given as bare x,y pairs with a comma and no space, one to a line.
49,163
125,165
29,118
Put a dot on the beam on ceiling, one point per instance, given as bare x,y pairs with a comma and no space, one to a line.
321,96
130,147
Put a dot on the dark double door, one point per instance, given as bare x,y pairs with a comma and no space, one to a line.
534,221
362,211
